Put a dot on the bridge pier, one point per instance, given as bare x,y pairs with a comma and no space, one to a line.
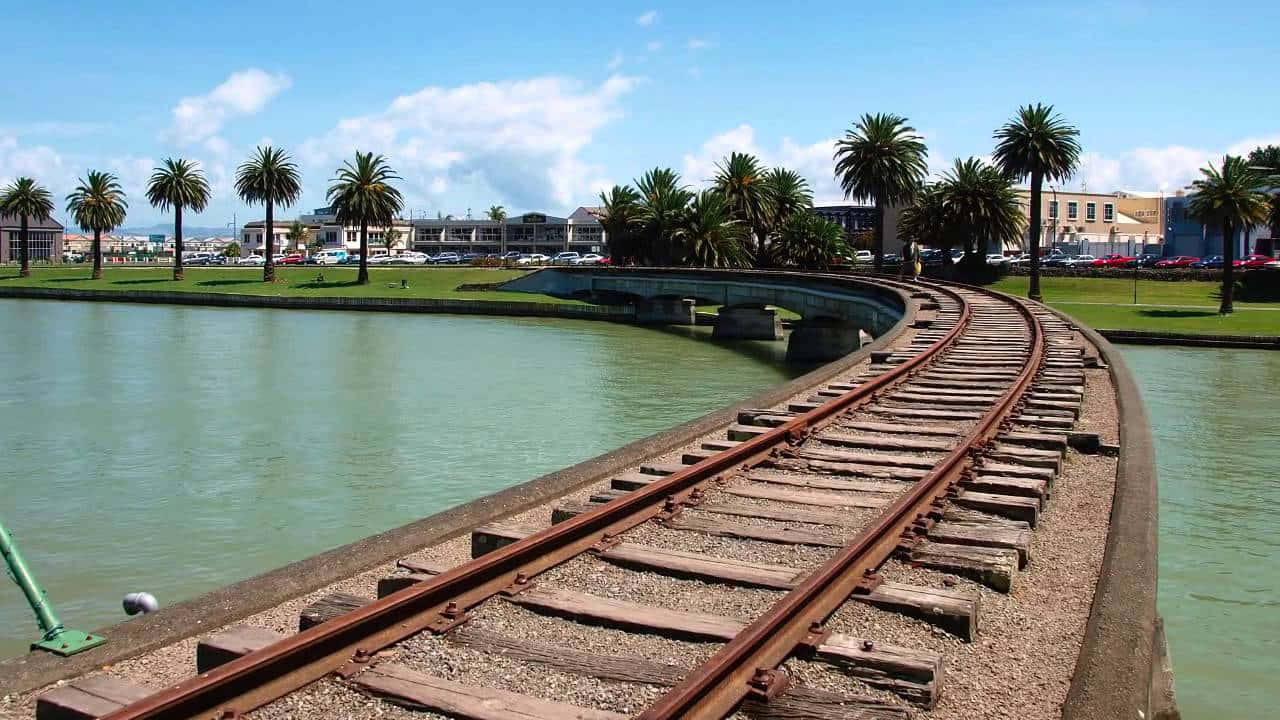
666,311
741,322
823,339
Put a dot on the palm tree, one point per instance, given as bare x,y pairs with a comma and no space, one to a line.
808,241
741,180
390,238
297,235
1231,198
663,201
981,207
362,194
26,200
788,193
619,216
924,221
497,213
178,184
269,177
97,204
1042,145
881,158
710,236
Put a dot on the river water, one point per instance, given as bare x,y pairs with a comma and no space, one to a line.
173,449
1214,415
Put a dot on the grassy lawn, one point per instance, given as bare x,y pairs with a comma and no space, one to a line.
338,281
1190,306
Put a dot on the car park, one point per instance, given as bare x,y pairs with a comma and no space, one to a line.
1178,261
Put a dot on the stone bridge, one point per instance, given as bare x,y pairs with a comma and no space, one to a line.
834,312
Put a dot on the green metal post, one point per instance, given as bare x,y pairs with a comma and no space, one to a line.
57,639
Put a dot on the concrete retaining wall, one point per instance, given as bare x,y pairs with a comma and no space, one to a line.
1150,337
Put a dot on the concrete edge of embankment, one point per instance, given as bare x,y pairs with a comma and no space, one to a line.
1153,337
247,597
1123,670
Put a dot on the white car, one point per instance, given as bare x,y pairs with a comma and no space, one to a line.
565,258
998,259
589,259
864,256
252,260
1079,261
535,258
409,258
379,259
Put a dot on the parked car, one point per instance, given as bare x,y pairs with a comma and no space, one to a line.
1255,261
532,259
409,257
196,258
381,258
512,255
589,259
862,256
1177,261
1273,265
930,257
1208,263
892,259
446,258
1146,261
998,259
330,257
468,257
1113,260
218,260
1079,261
252,260
352,259
292,259
565,258
1057,260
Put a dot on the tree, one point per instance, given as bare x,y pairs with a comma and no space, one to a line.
178,184
297,236
269,177
98,205
1231,198
1266,160
663,201
232,250
788,193
27,201
881,158
924,221
981,207
362,194
496,213
619,217
1039,144
741,180
709,235
390,238
808,241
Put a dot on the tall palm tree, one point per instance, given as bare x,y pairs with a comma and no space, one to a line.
981,206
1039,144
27,201
710,236
881,158
741,180
98,205
296,237
362,195
808,241
788,194
619,216
1232,198
269,177
497,213
663,201
178,184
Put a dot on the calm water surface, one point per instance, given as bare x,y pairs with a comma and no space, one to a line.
175,449
1214,414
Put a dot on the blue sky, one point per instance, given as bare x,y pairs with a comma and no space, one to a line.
538,106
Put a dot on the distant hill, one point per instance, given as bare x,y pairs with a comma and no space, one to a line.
167,229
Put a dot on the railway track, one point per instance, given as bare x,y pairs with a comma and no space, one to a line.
939,455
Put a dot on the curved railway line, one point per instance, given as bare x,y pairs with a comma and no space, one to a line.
941,453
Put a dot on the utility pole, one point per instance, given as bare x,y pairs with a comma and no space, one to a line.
57,639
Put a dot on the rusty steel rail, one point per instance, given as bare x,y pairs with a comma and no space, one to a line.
745,665
347,643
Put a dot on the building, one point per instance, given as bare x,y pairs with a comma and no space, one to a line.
858,221
532,232
44,238
77,243
252,242
1129,223
1187,236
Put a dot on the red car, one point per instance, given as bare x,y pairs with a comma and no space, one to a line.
1180,261
294,259
1254,261
1113,261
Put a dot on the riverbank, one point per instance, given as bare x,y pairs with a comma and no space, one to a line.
1187,307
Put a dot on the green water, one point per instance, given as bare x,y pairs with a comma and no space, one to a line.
1214,415
173,449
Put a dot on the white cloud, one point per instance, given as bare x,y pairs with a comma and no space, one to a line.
653,46
698,43
243,93
648,18
1169,168
813,160
615,62
517,142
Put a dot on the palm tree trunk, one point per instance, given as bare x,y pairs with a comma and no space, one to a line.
1228,269
362,278
879,250
1033,291
269,267
1246,239
97,254
24,249
177,242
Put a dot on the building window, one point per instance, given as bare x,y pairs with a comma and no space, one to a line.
1073,210
1053,209
1108,212
1090,212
